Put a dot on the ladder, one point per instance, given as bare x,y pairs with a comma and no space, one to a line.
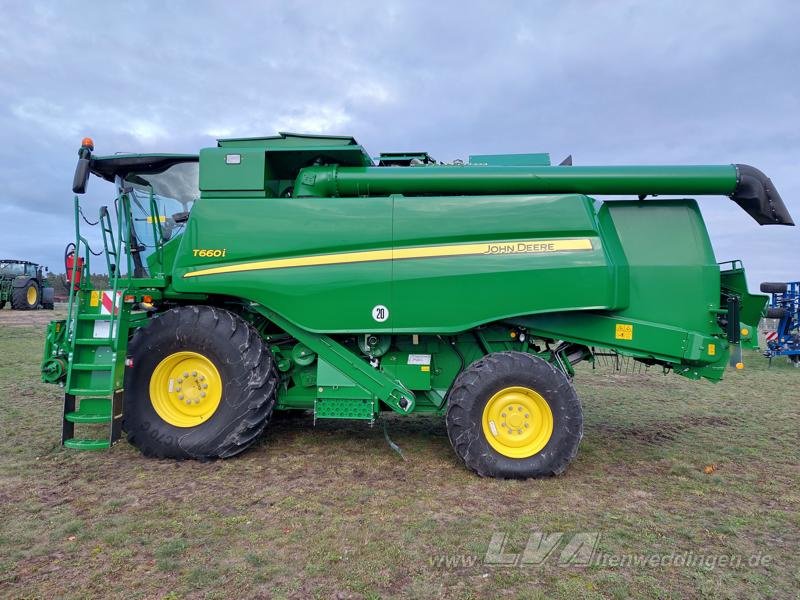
95,375
97,321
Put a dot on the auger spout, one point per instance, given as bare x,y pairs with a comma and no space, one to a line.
745,185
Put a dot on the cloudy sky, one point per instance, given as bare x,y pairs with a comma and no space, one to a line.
610,82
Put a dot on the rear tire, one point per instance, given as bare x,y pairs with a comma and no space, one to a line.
26,297
481,384
773,288
47,298
244,376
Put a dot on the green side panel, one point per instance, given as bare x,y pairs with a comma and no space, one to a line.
511,160
329,298
674,275
464,291
339,298
232,169
674,290
329,376
409,369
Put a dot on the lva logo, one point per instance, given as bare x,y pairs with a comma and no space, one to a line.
577,549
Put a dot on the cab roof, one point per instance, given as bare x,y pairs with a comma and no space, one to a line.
108,167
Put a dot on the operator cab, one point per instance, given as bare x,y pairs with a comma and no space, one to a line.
18,268
162,189
173,190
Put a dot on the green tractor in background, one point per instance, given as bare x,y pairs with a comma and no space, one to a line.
23,285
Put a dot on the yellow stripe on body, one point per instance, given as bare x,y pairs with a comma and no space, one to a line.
342,258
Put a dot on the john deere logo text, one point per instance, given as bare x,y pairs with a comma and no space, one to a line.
538,246
210,253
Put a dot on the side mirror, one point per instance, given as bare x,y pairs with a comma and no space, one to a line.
81,176
83,168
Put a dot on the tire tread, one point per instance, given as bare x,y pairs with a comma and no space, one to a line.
463,431
259,379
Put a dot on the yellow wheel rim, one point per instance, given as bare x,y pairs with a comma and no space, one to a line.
517,422
31,295
185,389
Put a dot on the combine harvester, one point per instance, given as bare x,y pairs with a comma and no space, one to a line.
784,306
292,272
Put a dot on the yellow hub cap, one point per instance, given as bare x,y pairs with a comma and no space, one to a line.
185,389
31,295
517,422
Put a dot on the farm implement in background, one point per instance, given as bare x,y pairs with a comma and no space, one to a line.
784,306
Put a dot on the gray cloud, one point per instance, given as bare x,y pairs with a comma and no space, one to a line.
615,83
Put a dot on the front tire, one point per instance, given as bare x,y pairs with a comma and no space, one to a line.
202,385
514,415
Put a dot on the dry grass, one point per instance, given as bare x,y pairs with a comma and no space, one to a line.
331,511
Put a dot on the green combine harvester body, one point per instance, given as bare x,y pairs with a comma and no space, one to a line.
350,289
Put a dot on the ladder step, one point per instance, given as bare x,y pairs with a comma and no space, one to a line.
93,342
91,410
77,444
89,391
82,417
94,317
91,367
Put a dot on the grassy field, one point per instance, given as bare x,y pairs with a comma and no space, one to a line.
667,468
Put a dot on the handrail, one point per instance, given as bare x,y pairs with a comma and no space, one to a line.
158,241
73,318
109,244
114,280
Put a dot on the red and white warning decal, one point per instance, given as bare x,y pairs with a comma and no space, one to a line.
106,303
772,336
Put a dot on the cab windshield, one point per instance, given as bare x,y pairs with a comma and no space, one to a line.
173,192
11,268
